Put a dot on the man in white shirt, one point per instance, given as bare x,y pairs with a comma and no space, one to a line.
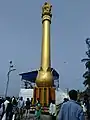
21,106
52,110
6,103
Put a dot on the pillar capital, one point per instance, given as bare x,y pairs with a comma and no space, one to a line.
46,11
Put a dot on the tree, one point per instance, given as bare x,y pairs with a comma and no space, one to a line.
86,75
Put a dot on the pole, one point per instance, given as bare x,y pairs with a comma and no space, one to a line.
8,76
7,84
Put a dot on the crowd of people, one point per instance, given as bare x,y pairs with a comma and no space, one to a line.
14,108
10,108
71,109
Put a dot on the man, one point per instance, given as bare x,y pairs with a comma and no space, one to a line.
9,113
6,102
21,107
87,105
28,104
21,103
38,110
38,102
71,110
2,107
52,110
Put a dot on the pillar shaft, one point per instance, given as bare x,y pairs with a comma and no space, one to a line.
45,52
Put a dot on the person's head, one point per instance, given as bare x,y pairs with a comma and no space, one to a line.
38,100
7,98
0,100
31,99
73,95
53,101
21,98
66,99
78,100
10,100
86,97
27,99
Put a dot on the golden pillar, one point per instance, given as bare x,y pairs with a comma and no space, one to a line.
44,80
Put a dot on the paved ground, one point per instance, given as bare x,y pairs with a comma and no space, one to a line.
43,117
31,117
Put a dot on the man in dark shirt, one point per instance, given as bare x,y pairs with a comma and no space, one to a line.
28,104
9,109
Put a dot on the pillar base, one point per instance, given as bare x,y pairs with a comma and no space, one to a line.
45,95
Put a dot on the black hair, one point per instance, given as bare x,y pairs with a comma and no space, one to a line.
53,101
73,95
27,98
66,99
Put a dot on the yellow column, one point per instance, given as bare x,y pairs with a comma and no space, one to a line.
52,92
42,96
47,95
34,95
37,93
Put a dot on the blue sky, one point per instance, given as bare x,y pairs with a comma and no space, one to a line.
21,33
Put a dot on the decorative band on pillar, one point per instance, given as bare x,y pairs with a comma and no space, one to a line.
45,17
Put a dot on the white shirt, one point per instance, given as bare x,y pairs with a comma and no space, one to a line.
84,108
21,104
12,99
52,109
6,103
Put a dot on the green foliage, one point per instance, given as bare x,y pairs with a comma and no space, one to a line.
86,75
